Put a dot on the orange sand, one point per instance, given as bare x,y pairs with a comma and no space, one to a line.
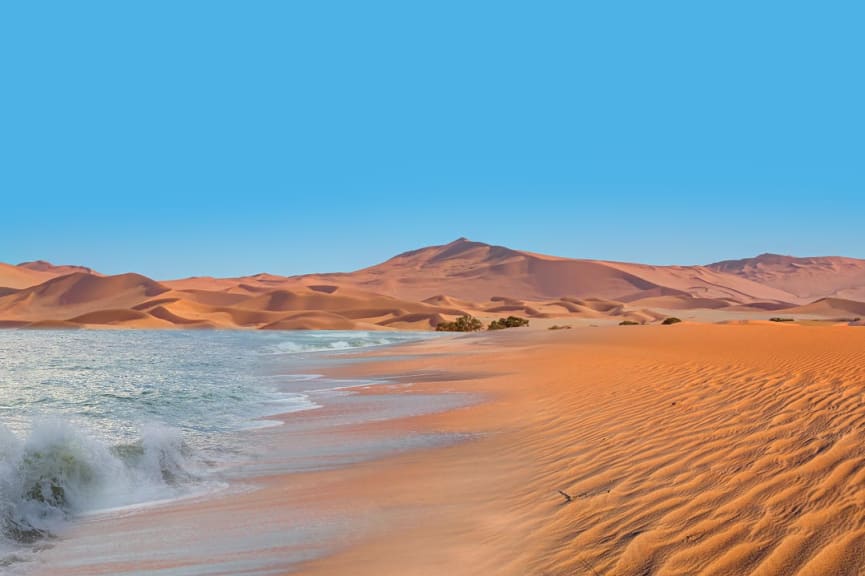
694,450
688,449
416,290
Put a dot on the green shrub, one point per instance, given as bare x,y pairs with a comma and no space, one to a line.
464,323
628,323
670,320
509,322
776,319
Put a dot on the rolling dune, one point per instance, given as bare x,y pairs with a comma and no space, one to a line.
316,320
477,272
17,278
29,274
55,270
808,278
831,307
66,297
123,317
419,289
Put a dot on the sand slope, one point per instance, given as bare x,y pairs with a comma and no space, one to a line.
720,451
421,288
686,450
807,278
477,271
53,269
15,277
831,308
77,293
29,274
698,450
132,300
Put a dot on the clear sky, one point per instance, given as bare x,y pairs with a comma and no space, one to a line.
188,138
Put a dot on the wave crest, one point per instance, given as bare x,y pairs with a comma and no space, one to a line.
58,471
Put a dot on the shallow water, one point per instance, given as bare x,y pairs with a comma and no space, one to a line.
96,420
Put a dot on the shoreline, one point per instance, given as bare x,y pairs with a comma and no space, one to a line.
339,406
699,449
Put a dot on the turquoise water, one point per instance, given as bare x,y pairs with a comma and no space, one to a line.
97,420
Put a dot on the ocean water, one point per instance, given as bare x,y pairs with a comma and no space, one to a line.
96,420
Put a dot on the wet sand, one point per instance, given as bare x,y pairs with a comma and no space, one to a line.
689,449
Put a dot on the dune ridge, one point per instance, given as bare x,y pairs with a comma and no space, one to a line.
421,288
808,278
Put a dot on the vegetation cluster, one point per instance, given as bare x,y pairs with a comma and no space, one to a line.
464,323
468,323
509,322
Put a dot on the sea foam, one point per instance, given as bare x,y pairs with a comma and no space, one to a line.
75,408
59,471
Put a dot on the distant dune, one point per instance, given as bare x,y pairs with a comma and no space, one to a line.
15,277
418,289
806,278
43,266
837,307
29,274
477,272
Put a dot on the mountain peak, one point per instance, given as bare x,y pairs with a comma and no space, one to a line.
45,266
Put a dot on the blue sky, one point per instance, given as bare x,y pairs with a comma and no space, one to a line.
225,138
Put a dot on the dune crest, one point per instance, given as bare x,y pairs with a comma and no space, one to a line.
421,288
808,278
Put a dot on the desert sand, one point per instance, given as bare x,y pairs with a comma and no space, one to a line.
419,289
807,278
683,450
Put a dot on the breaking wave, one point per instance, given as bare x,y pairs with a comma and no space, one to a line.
59,471
324,341
209,385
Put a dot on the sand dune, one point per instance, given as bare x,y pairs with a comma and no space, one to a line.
55,270
681,302
210,284
69,296
701,282
477,272
831,307
419,289
807,278
446,301
29,274
120,317
316,320
131,300
15,277
698,450
167,315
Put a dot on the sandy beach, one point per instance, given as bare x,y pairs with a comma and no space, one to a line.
690,449
432,289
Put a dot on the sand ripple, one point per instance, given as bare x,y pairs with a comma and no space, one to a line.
708,452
